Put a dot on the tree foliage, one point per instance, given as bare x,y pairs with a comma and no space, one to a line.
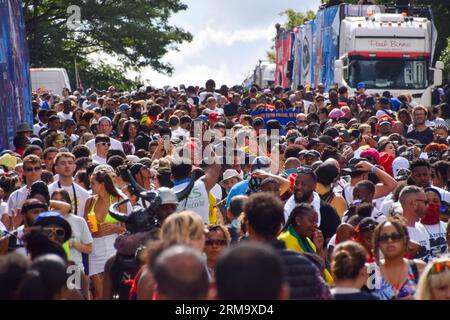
445,57
136,32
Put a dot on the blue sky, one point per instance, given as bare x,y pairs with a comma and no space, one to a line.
229,39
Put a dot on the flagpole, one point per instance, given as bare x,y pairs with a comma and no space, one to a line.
77,77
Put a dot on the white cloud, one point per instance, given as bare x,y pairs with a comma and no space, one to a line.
229,39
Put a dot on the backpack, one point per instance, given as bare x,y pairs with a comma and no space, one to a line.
123,269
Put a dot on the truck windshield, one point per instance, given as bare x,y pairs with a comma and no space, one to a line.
388,73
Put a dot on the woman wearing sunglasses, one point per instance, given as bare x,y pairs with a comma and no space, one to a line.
103,227
59,141
217,240
435,281
393,277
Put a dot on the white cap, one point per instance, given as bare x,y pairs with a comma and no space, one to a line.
133,158
167,196
398,164
230,173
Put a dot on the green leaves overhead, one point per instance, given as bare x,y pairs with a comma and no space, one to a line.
136,32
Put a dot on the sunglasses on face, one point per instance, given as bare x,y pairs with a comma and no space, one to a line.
210,242
105,144
395,237
31,169
59,232
61,141
439,267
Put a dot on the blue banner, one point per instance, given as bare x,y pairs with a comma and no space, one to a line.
283,117
15,89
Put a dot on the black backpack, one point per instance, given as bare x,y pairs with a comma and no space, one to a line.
123,269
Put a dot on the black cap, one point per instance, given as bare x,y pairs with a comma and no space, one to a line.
313,153
352,165
135,168
384,101
367,224
326,173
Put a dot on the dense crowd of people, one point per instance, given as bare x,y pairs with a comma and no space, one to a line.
161,194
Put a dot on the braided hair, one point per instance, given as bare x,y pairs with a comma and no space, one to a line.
301,209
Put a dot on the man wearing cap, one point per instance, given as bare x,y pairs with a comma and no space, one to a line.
32,170
384,108
105,127
384,127
56,228
260,169
125,108
358,170
24,129
230,178
169,204
361,96
30,210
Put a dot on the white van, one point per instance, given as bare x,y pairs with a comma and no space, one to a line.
49,79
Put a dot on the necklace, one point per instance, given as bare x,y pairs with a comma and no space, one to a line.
75,200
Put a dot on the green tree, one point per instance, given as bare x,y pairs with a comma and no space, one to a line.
445,57
294,19
136,32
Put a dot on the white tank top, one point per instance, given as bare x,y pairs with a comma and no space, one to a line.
197,201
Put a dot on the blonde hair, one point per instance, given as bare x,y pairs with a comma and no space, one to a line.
429,280
216,227
182,228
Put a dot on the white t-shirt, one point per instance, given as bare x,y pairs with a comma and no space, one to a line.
3,209
98,159
74,137
203,94
418,235
2,227
181,134
81,196
115,145
64,116
36,128
16,199
197,201
291,204
437,237
81,234
217,192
